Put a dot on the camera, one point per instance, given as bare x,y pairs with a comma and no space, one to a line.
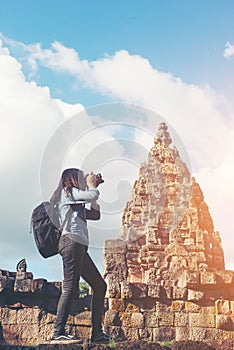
99,179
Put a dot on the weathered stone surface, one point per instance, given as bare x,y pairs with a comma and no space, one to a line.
224,322
38,285
137,320
22,285
195,295
168,246
202,320
181,319
8,316
154,291
7,284
208,278
165,272
151,319
223,307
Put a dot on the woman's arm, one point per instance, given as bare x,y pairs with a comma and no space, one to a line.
87,196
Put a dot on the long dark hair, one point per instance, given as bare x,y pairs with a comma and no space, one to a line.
70,178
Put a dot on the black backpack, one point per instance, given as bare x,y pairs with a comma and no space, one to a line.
46,228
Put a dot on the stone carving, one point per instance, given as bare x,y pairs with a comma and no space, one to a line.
170,253
21,269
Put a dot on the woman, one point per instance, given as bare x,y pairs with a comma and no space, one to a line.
71,195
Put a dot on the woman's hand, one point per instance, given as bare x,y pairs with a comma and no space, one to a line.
91,180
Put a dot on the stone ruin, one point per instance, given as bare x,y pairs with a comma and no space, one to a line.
28,308
165,272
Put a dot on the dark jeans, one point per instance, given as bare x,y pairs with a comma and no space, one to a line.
76,263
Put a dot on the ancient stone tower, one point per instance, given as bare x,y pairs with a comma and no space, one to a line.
165,272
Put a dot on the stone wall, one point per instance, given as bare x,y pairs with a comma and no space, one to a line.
28,308
165,272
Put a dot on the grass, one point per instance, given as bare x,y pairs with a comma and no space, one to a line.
168,344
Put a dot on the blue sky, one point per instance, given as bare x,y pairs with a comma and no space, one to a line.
186,38
175,58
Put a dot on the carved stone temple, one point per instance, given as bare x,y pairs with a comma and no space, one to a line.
165,272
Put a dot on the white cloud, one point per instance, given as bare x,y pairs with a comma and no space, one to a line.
29,116
229,50
203,119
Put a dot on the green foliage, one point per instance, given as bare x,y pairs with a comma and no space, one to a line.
84,289
167,344
112,344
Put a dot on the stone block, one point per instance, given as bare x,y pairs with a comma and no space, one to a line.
177,306
131,333
154,291
133,290
113,286
83,332
29,332
116,304
193,279
181,319
223,307
46,317
22,286
201,256
208,278
179,293
112,318
147,304
183,279
8,316
151,319
166,292
83,319
181,333
224,276
29,275
28,316
137,320
11,334
166,319
224,322
20,275
115,264
202,320
115,246
131,307
197,333
38,285
45,332
208,309
125,318
164,334
192,307
6,283
195,295
146,334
